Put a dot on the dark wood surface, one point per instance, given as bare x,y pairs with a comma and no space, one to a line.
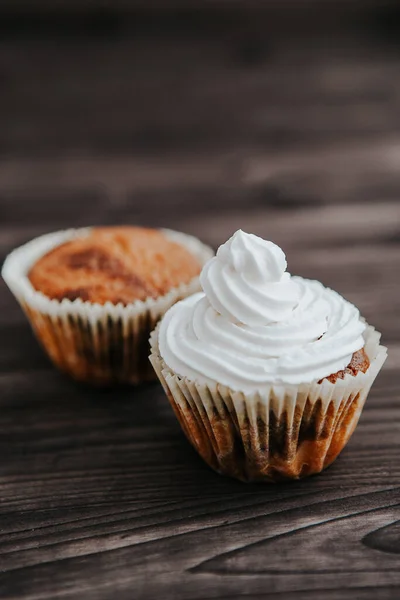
299,141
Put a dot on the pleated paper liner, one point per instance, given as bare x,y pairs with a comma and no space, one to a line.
283,432
100,344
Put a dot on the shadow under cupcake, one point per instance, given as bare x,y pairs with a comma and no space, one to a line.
94,295
266,373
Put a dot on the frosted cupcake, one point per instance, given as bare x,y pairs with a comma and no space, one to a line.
94,295
267,373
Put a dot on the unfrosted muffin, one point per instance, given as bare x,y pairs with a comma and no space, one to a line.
267,373
94,295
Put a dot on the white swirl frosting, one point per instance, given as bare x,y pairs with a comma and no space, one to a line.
246,281
256,324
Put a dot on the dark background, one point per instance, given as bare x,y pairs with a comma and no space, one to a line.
282,118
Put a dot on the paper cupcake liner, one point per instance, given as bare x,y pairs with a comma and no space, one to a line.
281,432
95,343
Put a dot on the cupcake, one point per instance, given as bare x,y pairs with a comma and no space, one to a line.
267,373
93,295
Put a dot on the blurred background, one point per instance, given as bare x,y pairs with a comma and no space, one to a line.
281,118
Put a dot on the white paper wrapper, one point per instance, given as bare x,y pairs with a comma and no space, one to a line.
283,432
95,343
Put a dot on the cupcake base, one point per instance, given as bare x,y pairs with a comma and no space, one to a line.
101,352
283,432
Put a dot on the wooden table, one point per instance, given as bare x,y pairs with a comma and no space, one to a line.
101,496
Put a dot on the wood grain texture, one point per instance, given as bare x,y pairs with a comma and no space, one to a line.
100,494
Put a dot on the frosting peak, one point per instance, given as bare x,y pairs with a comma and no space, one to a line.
255,324
249,254
247,282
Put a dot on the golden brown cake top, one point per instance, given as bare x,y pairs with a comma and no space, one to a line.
115,264
359,362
